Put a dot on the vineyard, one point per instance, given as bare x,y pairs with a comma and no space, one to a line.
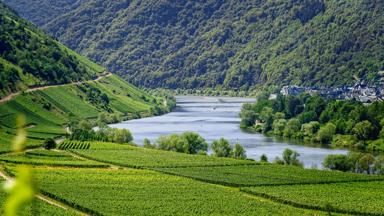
256,175
131,156
68,144
355,198
142,192
37,207
49,158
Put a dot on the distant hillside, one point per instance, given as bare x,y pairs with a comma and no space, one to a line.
43,11
230,44
30,58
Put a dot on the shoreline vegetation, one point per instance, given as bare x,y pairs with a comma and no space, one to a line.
314,119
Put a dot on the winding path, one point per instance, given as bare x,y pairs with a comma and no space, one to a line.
12,95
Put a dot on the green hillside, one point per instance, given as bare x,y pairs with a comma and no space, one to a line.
30,58
72,88
230,44
49,111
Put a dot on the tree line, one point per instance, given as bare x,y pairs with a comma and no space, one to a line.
343,123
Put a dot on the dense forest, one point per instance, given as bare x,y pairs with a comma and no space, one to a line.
29,58
316,119
223,44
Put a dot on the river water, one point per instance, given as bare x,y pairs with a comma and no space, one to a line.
216,117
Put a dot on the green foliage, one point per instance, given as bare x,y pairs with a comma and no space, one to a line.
315,119
326,133
70,144
49,144
218,44
239,152
351,197
354,162
30,58
105,134
130,156
291,157
364,130
188,142
221,148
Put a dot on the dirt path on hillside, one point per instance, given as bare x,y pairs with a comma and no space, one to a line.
47,199
12,95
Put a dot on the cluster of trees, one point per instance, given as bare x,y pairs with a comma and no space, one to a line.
30,57
317,119
229,44
193,143
84,131
105,134
95,96
356,162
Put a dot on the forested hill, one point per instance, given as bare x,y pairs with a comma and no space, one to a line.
28,57
231,44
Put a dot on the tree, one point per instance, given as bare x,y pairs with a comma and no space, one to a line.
337,162
366,162
378,167
278,126
264,158
326,133
49,144
172,142
364,130
310,129
221,148
293,126
147,144
85,125
121,135
239,152
195,143
267,116
290,157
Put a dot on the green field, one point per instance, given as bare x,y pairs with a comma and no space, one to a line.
141,192
359,198
37,207
130,156
49,158
255,175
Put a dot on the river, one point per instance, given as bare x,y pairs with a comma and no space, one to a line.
216,117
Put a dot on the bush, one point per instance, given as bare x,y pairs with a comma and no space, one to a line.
49,144
337,162
325,134
239,152
221,148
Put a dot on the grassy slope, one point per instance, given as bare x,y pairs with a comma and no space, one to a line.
67,102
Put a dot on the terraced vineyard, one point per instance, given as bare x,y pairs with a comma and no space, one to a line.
142,192
358,198
37,207
49,158
256,175
130,156
67,144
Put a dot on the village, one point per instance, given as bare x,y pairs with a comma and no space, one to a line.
361,91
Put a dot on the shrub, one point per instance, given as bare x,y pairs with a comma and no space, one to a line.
49,144
221,148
